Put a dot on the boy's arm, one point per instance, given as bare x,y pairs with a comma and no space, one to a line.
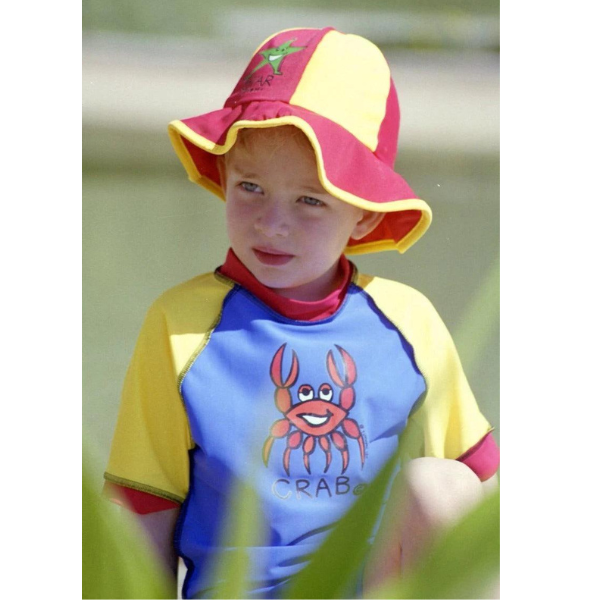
157,518
160,529
490,485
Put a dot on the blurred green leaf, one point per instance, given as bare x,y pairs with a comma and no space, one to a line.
480,320
116,560
244,529
464,563
333,570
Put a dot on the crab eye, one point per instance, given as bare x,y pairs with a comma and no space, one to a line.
305,392
325,392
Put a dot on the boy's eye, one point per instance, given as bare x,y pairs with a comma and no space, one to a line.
311,201
250,187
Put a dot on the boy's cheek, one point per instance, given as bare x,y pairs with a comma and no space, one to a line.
238,214
240,221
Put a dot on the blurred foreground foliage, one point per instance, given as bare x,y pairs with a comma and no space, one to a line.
116,560
464,563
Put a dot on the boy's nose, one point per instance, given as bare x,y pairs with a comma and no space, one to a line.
273,222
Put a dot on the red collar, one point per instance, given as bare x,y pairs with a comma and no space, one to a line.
292,309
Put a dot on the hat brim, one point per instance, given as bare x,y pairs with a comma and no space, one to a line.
347,169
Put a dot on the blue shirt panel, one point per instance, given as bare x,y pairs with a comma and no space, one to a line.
229,393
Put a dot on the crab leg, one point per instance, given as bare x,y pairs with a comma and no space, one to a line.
351,429
293,441
309,448
339,441
326,446
278,430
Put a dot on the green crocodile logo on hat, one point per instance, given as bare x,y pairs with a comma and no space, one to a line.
274,56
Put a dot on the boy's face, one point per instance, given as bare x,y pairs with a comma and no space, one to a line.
285,228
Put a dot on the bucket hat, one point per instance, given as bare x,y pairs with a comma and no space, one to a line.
338,90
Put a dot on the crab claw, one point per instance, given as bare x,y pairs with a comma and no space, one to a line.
283,398
349,368
276,366
347,395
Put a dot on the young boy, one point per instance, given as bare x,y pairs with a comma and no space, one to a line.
286,368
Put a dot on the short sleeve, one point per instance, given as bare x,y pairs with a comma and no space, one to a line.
446,422
152,439
447,416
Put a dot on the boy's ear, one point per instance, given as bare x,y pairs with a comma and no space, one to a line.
367,223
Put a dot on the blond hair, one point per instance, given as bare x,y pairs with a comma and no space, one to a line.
272,137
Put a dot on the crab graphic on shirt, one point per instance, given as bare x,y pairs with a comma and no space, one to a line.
275,56
315,420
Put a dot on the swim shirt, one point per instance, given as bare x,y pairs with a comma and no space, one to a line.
224,388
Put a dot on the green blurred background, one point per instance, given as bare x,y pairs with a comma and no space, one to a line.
146,228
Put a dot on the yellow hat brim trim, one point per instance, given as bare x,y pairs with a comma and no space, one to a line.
178,129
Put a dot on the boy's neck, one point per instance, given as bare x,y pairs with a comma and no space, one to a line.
299,310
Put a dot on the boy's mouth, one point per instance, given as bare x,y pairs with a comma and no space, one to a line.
268,256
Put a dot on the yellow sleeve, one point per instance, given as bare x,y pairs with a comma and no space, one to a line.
152,437
446,422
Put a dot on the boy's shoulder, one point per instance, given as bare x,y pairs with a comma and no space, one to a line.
408,309
204,286
198,298
182,317
393,294
417,320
